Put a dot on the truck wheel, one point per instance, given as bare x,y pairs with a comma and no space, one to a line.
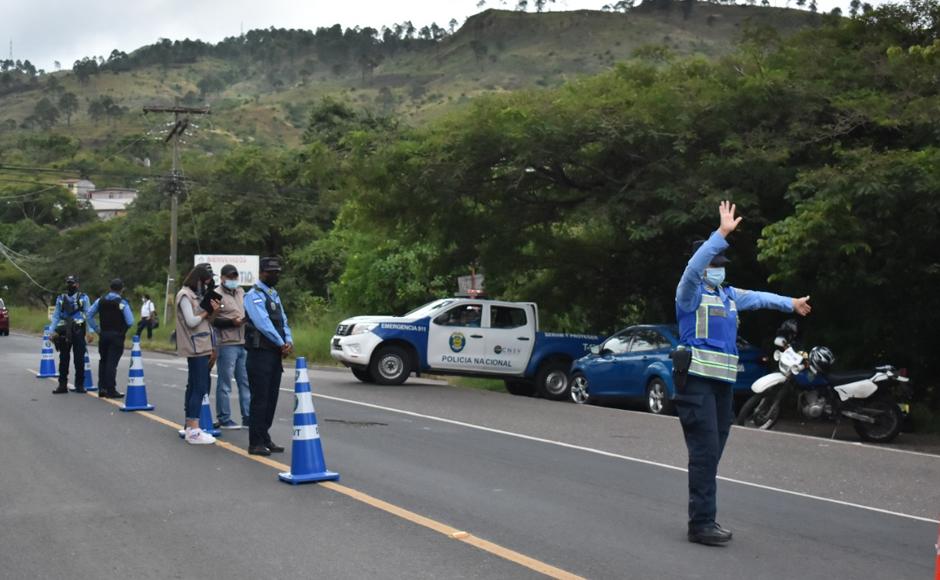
552,381
657,398
363,375
521,388
390,365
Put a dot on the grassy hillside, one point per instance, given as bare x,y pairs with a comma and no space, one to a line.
266,102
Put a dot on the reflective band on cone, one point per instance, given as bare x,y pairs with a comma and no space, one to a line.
307,464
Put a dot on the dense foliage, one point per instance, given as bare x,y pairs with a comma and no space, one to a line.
586,198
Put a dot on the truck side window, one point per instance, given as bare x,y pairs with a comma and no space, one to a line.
507,317
468,315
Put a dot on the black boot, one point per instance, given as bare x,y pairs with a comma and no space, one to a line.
61,389
710,535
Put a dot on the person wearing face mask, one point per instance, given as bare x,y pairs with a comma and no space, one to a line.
707,313
268,340
230,335
196,341
68,324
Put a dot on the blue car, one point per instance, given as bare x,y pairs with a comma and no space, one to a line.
635,363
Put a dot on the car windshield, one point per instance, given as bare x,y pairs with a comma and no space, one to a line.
427,309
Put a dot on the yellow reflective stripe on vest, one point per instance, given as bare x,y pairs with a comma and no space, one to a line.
715,365
701,314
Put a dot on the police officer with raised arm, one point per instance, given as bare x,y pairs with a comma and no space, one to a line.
706,366
268,340
115,318
69,326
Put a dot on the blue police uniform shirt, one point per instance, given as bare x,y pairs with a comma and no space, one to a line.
716,332
125,308
258,314
82,307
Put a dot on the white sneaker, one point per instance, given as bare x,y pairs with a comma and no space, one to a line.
199,437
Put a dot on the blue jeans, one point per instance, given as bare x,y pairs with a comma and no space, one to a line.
705,412
197,385
232,361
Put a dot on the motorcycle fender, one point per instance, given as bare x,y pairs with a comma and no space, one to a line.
768,381
857,390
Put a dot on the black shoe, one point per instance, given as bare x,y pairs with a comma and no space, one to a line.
275,448
115,395
712,535
259,450
80,390
60,390
102,394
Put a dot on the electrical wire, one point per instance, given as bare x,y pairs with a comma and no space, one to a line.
6,253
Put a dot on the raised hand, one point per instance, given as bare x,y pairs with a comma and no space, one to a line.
729,223
801,306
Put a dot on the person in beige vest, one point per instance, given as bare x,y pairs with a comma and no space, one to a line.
229,327
196,341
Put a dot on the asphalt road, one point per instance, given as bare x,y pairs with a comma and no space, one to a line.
475,484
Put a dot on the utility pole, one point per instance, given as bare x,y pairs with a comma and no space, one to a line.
181,123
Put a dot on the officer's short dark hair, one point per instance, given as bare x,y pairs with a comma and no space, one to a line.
117,284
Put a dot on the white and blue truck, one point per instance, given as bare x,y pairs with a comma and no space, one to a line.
462,336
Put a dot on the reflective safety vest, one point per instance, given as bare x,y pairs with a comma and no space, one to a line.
72,308
711,331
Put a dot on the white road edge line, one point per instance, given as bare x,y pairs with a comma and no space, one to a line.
619,456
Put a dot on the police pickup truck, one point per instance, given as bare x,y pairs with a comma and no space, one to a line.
462,336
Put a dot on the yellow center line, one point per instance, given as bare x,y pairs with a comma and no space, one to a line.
400,512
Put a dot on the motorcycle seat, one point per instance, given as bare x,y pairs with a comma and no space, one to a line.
845,377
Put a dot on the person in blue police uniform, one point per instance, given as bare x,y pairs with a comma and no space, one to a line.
707,314
115,318
69,327
268,340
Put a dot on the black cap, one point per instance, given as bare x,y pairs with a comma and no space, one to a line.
117,284
71,279
228,270
718,261
207,268
270,264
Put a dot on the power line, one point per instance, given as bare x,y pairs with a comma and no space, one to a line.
6,253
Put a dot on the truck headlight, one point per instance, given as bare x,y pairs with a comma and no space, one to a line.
364,328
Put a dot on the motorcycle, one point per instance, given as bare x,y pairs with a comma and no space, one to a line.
877,401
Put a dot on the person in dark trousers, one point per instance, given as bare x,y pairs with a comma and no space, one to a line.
196,341
69,325
115,318
707,312
268,340
147,314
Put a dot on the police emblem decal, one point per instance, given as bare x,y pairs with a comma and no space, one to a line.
498,349
457,342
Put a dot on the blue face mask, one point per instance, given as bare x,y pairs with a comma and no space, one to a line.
714,276
230,284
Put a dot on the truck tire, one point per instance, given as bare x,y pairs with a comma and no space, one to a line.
363,375
390,365
552,380
520,388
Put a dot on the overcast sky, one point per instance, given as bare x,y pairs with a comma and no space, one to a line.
45,31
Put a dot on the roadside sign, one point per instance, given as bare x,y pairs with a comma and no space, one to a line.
51,312
247,266
471,285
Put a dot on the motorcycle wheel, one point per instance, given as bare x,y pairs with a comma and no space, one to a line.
887,423
760,412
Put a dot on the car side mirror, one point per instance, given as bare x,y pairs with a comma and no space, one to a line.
596,349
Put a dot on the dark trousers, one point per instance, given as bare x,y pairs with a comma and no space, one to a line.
145,323
110,349
264,381
72,349
706,413
197,385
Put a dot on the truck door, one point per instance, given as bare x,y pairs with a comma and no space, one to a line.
455,338
510,337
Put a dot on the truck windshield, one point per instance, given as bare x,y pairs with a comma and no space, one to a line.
427,309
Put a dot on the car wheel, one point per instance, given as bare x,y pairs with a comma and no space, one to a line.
657,398
390,365
552,380
363,375
579,389
521,388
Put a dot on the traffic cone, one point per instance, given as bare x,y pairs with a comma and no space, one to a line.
136,397
47,362
89,381
936,573
307,463
205,419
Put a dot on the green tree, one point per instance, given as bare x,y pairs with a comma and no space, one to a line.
45,113
68,104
